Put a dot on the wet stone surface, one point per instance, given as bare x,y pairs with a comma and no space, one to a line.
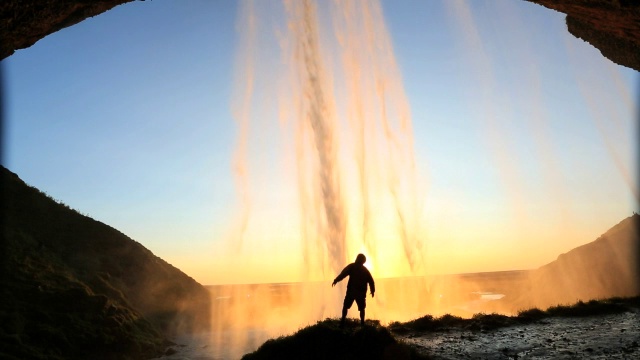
596,337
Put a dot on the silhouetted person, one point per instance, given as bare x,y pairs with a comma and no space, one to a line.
359,277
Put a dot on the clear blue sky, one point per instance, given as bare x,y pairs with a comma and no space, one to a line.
127,117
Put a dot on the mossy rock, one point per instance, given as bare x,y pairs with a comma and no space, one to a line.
326,340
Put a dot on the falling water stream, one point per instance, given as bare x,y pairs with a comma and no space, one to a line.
345,139
344,114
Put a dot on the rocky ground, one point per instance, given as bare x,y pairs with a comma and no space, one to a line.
607,336
613,336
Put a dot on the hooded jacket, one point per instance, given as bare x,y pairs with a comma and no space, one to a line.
359,276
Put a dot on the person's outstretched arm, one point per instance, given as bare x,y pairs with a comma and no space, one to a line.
372,285
342,275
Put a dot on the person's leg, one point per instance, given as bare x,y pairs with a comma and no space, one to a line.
344,316
362,304
348,301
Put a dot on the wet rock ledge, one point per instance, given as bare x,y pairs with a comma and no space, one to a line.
612,26
24,22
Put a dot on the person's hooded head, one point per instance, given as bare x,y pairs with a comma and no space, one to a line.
361,259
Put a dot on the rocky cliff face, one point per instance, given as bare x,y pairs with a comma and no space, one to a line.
75,288
612,26
23,22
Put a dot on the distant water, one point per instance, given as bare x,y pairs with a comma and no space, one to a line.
200,346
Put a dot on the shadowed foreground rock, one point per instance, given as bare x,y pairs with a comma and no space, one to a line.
75,288
325,340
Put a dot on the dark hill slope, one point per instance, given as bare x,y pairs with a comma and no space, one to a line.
73,287
606,267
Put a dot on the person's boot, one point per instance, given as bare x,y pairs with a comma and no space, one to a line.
342,323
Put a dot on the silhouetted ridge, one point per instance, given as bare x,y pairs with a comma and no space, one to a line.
74,287
606,267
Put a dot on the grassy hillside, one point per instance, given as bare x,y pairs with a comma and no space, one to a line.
606,267
73,287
